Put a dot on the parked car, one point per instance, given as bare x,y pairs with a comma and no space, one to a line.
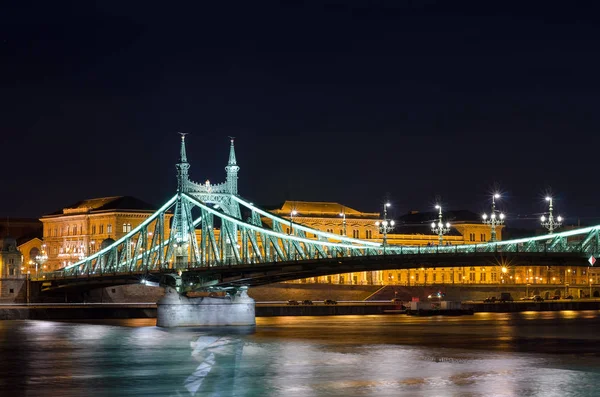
490,299
396,300
556,297
329,302
537,298
307,302
293,302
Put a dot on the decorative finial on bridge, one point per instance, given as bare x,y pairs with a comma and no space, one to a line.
182,154
232,169
232,160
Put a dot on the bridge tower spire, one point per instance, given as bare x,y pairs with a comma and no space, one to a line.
232,170
182,167
182,228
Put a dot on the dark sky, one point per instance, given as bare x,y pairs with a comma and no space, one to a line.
344,101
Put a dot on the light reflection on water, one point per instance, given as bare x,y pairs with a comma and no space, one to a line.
493,354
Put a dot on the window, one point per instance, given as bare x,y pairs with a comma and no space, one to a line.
355,233
11,261
80,229
482,237
341,232
472,277
101,227
287,230
93,229
74,230
11,291
368,234
417,277
434,277
55,232
494,276
126,227
482,276
109,229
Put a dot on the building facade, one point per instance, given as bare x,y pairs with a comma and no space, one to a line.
79,230
11,260
414,229
34,256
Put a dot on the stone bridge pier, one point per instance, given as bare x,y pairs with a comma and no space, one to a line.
214,309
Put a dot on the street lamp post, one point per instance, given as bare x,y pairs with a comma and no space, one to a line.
343,215
40,258
439,228
495,218
549,223
294,212
385,226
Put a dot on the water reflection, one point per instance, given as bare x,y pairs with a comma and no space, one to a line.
499,354
220,358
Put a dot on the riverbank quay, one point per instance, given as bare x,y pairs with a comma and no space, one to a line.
525,306
76,311
82,311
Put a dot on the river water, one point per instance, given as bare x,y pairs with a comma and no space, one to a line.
487,354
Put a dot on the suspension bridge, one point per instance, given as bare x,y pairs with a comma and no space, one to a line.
217,239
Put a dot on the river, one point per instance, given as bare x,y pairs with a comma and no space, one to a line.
487,354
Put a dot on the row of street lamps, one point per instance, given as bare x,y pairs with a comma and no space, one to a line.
494,219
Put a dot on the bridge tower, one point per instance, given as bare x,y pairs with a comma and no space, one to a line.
182,221
232,171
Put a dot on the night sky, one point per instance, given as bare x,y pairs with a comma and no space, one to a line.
348,101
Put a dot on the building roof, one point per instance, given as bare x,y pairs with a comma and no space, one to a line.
420,222
321,209
455,216
105,204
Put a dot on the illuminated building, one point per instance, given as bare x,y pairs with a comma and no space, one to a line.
411,229
78,230
33,251
11,259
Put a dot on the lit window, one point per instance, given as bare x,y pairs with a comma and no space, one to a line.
109,229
